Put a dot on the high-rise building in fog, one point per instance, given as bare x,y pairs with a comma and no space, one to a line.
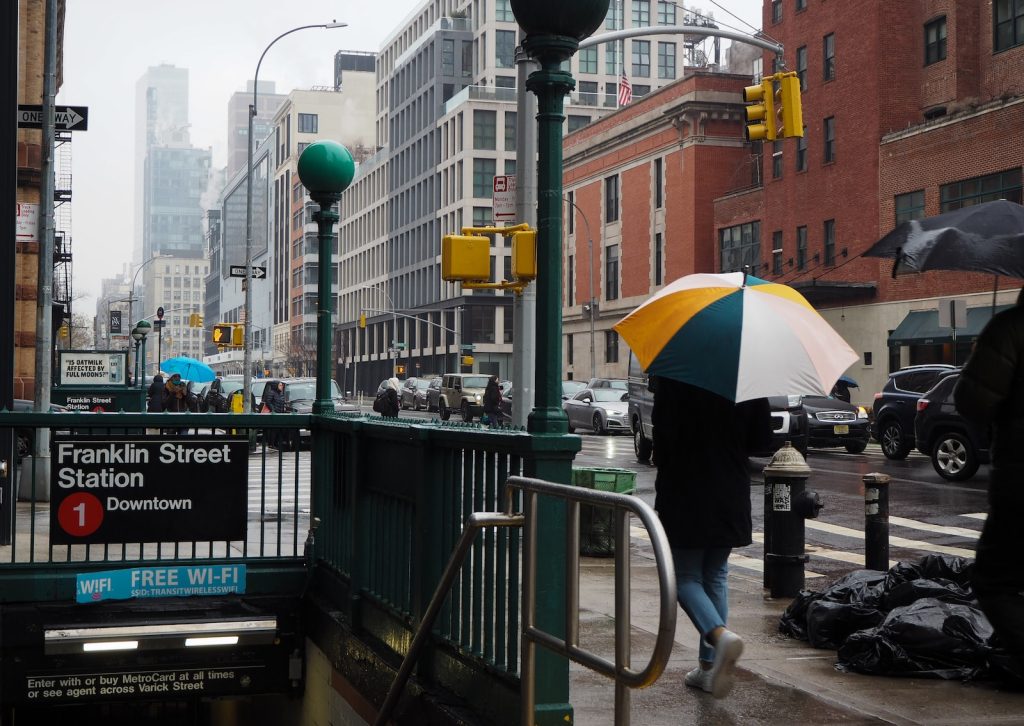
267,102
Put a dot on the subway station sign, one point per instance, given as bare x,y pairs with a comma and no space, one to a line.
134,489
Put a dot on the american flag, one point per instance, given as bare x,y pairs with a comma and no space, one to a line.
625,90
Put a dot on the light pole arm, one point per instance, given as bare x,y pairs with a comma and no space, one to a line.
590,248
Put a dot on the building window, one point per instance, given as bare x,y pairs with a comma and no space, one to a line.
611,95
659,253
613,21
829,139
1008,17
588,60
641,13
448,57
642,58
801,66
570,290
830,241
666,13
909,206
640,91
611,199
777,252
829,57
484,129
503,11
611,346
483,178
611,272
801,152
588,93
505,48
740,246
1002,185
613,57
776,160
308,123
801,5
570,211
510,131
666,60
776,11
935,41
302,146
801,248
568,349
504,82
658,196
577,122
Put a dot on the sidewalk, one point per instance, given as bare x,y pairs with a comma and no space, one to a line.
781,680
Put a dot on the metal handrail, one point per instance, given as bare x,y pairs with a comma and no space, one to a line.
620,671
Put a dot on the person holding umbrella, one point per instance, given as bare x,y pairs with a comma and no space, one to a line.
990,392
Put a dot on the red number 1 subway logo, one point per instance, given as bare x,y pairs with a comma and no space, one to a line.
80,514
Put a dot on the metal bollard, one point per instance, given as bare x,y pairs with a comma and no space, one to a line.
785,480
876,521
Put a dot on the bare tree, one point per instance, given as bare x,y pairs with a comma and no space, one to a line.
300,358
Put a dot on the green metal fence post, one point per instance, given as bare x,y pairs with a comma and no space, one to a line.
553,32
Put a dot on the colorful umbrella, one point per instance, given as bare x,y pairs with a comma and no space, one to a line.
189,368
737,336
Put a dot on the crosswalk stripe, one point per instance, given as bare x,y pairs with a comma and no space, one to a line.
976,515
912,544
939,528
853,558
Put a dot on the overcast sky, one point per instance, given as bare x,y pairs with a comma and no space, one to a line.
109,44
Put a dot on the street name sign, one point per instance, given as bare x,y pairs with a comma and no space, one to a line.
258,273
65,118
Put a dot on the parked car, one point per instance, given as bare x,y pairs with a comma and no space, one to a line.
896,405
407,393
462,392
228,385
603,410
433,393
419,393
620,383
571,388
789,420
956,446
299,395
833,422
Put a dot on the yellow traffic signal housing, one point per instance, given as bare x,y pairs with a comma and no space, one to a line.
761,121
238,335
222,333
467,360
791,111
362,320
400,370
195,320
524,255
465,258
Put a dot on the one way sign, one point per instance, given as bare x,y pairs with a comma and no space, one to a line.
66,118
258,273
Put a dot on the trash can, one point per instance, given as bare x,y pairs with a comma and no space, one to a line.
597,524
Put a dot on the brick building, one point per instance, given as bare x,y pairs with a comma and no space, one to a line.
910,109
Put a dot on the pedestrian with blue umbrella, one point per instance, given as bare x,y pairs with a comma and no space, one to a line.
189,368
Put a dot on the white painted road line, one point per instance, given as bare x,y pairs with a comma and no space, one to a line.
854,558
939,528
912,544
977,515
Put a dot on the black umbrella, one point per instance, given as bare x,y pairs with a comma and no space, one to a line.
986,237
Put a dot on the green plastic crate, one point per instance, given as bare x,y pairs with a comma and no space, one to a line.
597,524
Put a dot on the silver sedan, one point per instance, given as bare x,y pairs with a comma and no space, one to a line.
602,410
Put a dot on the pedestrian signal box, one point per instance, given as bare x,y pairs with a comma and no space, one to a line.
467,360
400,370
524,255
238,335
222,334
465,258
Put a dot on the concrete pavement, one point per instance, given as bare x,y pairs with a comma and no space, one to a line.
780,681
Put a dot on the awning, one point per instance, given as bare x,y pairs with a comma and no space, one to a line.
921,327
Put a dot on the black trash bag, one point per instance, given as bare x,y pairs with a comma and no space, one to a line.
830,623
932,567
928,639
794,620
911,591
860,587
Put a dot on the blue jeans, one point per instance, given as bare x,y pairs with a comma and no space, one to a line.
703,591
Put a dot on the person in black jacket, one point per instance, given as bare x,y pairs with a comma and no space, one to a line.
155,402
492,401
990,391
703,501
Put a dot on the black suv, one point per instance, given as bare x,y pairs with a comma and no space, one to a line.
896,406
956,446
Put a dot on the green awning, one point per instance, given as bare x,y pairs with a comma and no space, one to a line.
921,327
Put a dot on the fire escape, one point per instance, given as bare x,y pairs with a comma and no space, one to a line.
62,292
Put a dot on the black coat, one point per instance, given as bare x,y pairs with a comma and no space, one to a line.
155,402
391,407
492,397
701,445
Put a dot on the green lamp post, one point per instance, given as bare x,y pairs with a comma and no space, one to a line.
326,169
553,32
139,333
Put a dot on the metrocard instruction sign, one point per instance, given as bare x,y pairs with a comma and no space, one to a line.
124,489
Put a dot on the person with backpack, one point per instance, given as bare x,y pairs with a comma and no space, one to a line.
386,402
492,402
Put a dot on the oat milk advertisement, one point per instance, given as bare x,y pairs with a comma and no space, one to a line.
92,368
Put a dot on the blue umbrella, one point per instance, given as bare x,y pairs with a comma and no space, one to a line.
848,381
189,368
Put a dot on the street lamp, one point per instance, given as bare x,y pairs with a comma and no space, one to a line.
247,281
591,304
131,290
139,333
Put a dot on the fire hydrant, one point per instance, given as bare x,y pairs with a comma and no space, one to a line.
787,504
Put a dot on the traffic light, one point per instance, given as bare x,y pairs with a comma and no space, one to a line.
524,255
790,110
761,120
362,320
195,320
467,360
465,258
400,369
238,335
222,334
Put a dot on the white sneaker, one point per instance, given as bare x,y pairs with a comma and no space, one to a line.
728,650
699,678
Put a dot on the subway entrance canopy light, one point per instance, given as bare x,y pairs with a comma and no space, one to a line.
772,114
